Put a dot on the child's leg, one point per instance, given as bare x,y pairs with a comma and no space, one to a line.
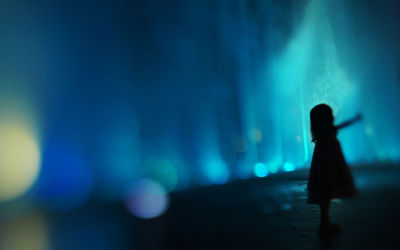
326,226
324,210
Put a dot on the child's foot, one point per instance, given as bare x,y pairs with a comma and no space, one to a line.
329,229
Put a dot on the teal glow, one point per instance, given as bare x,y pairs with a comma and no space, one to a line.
216,172
164,172
304,128
307,72
274,165
260,169
289,167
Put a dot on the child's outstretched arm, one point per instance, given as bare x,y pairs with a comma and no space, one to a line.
349,122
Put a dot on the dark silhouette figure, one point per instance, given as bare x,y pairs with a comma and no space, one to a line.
329,175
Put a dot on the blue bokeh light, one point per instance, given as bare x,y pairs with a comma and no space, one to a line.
216,172
260,169
274,165
65,181
288,166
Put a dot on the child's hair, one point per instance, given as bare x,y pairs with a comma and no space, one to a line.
322,127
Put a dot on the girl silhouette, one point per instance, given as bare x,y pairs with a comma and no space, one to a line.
329,175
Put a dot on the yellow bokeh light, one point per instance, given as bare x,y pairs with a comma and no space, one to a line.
19,160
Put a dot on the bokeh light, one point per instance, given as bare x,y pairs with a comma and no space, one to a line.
26,233
260,169
274,165
288,166
255,135
163,172
66,180
216,171
147,199
19,160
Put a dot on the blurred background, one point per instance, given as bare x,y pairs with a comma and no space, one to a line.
126,102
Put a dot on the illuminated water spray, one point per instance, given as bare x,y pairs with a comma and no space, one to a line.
213,168
307,73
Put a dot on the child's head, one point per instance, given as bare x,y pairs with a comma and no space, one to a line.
322,127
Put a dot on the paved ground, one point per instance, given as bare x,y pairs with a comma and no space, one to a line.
267,213
271,213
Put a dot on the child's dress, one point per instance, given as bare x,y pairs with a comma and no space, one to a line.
330,176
